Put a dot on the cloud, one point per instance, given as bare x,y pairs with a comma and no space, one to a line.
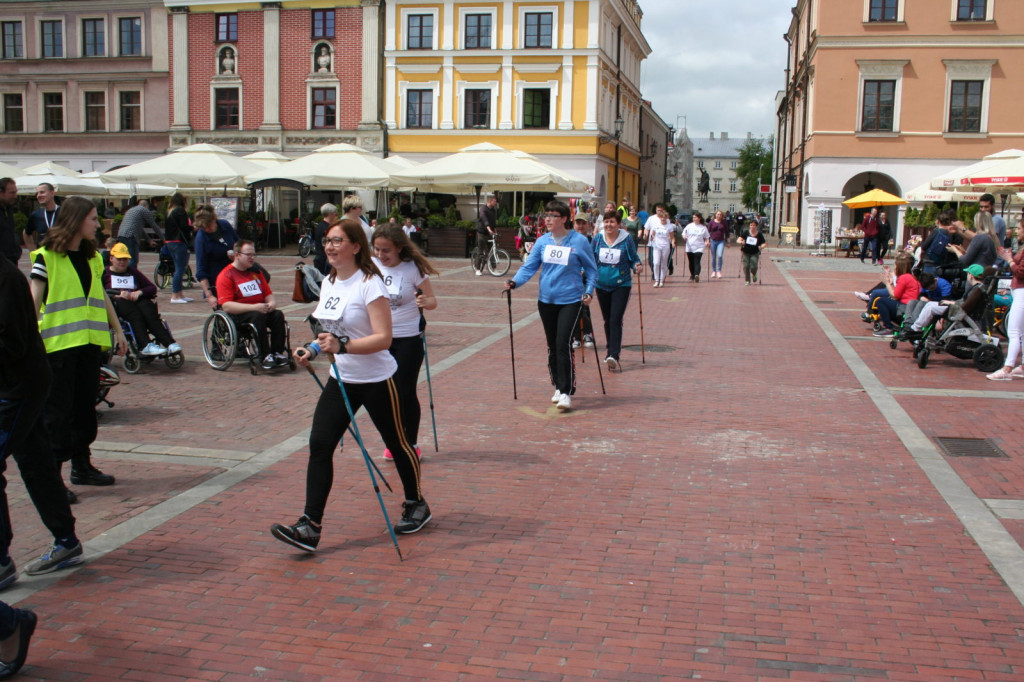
719,63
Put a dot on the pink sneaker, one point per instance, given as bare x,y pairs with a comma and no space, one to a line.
1017,372
388,455
1000,375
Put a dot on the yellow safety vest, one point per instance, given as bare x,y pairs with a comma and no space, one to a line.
69,318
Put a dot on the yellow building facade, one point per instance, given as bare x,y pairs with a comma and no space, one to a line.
548,78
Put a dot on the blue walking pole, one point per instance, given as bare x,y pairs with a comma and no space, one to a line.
426,363
370,466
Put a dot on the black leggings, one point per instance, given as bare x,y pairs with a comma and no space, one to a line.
144,320
694,258
70,412
331,418
560,323
613,308
408,351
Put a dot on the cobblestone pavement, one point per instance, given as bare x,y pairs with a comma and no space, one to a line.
759,495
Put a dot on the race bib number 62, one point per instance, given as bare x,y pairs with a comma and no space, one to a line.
329,308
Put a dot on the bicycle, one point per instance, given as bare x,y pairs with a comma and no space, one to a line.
306,241
498,260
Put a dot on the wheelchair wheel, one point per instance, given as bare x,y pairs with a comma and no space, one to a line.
922,358
220,340
498,262
188,280
162,278
988,358
893,343
175,360
132,362
876,325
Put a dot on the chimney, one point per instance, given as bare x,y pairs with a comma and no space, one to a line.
712,136
725,136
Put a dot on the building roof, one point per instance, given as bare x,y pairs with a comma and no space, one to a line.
704,148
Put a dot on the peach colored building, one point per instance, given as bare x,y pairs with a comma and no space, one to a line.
890,93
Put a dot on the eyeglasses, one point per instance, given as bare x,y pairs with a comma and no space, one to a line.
336,241
250,254
552,215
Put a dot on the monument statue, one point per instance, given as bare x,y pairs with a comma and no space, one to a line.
323,60
227,62
703,185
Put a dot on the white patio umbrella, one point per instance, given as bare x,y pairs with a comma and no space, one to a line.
949,181
267,158
482,166
1005,177
925,193
125,189
196,167
7,171
65,181
334,166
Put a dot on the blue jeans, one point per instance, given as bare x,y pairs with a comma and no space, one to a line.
179,252
717,252
870,245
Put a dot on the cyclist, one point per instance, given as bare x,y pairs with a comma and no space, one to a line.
486,224
244,293
357,333
560,255
406,275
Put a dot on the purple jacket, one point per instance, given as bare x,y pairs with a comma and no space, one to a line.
719,232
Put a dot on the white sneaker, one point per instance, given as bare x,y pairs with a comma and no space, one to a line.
564,402
180,300
186,299
479,272
153,348
556,396
1017,372
174,348
1000,375
268,362
862,296
588,340
613,364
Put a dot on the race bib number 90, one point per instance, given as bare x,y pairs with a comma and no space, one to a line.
609,256
557,255
250,288
329,308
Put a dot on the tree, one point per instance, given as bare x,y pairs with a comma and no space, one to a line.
754,169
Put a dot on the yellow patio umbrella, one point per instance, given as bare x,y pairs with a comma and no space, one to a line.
875,197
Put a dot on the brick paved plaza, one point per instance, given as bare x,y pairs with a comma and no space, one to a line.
763,499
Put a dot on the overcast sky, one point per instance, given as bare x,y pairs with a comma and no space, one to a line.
719,63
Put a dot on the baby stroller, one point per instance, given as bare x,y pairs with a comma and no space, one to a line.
966,334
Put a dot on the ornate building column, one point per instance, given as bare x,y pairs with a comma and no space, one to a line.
370,115
271,66
179,85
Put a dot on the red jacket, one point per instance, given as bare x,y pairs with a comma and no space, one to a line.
870,226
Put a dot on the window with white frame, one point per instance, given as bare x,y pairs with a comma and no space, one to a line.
322,23
51,39
718,185
968,90
732,208
129,34
477,31
714,209
537,28
227,27
14,112
884,10
53,112
700,163
227,109
733,164
13,40
732,185
537,108
718,165
880,94
324,106
477,108
419,31
130,114
972,10
419,108
94,37
95,103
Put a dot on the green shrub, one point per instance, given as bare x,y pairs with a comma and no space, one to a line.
433,205
436,220
467,225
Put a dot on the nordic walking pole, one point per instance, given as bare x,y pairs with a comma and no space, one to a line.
369,462
426,362
640,293
511,340
319,383
583,354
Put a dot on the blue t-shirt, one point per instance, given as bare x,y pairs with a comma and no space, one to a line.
41,220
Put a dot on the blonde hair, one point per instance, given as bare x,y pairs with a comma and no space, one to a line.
350,202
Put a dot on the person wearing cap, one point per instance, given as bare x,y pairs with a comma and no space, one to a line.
973,295
582,225
133,296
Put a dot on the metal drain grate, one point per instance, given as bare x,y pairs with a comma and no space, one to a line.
651,348
970,447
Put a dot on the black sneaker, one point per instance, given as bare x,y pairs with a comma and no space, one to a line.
883,332
304,534
415,515
25,625
90,475
268,362
8,574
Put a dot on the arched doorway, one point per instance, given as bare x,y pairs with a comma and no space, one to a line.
865,182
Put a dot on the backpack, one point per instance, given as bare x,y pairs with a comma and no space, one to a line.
937,249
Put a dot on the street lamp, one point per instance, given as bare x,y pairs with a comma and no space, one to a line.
619,123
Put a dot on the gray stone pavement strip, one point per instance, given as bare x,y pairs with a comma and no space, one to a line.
957,393
995,541
1007,509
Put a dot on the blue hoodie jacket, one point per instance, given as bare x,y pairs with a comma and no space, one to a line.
612,276
561,284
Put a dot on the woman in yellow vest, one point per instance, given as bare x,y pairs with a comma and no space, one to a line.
76,323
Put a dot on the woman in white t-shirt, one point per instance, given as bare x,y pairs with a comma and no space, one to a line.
406,274
356,318
661,237
696,238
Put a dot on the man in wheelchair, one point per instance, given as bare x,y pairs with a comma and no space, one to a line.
133,296
244,293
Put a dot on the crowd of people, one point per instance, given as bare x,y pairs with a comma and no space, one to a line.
953,273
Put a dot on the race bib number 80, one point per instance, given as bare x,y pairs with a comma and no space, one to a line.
557,255
250,288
